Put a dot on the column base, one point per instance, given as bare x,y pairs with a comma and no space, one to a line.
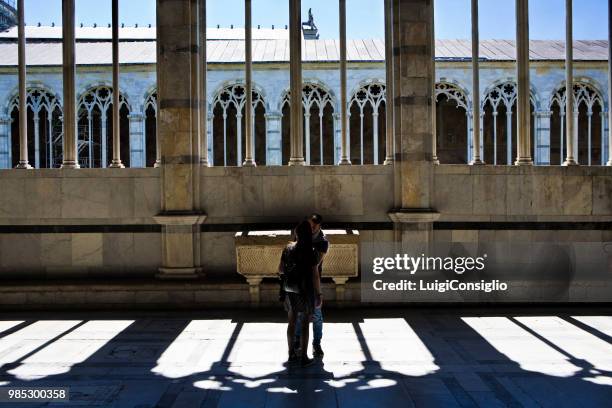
344,162
570,162
609,163
157,163
178,273
249,163
70,165
116,165
203,162
524,161
297,161
389,161
475,162
23,165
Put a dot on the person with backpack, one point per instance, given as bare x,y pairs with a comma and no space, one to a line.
301,287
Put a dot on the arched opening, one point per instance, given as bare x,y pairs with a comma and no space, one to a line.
451,124
150,129
44,129
366,108
318,121
228,127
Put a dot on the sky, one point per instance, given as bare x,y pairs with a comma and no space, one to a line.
365,18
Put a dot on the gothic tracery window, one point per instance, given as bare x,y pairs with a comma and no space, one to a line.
44,129
150,128
367,124
94,131
228,141
319,129
452,125
589,122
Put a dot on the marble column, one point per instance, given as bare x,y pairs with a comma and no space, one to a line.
605,142
543,137
413,212
5,142
248,89
476,151
509,140
116,160
178,93
307,136
23,94
138,150
295,81
209,136
37,139
609,133
570,124
104,139
523,104
389,84
70,159
337,138
202,86
345,157
375,136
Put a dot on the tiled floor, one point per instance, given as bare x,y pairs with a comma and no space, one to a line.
374,358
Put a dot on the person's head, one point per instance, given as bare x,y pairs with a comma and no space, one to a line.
315,221
303,233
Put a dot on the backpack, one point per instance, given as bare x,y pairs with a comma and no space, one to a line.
291,271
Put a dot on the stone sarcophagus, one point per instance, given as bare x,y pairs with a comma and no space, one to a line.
258,255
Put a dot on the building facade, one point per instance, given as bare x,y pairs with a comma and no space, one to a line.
322,124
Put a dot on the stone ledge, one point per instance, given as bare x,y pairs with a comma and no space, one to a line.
412,216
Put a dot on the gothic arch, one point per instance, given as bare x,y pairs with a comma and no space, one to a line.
319,111
367,119
227,125
589,111
452,122
94,130
44,127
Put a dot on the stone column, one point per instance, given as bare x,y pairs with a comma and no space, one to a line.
239,138
375,136
89,140
177,75
570,124
104,140
604,139
202,82
389,84
248,67
523,107
337,137
476,158
413,214
295,80
23,94
345,157
5,142
138,155
116,160
37,139
70,160
495,113
209,136
274,143
509,135
589,135
609,150
307,135
543,138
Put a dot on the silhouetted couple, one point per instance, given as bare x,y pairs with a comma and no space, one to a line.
300,270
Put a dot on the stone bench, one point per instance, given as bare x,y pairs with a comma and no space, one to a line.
258,255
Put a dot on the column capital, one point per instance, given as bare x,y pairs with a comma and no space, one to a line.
273,115
543,113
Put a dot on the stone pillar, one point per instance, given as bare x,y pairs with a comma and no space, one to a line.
307,135
5,142
413,214
295,81
116,160
345,157
509,140
23,94
37,139
389,84
570,124
337,137
543,137
375,136
274,143
202,86
248,89
209,136
177,74
70,160
609,138
523,125
605,142
476,151
138,156
104,139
